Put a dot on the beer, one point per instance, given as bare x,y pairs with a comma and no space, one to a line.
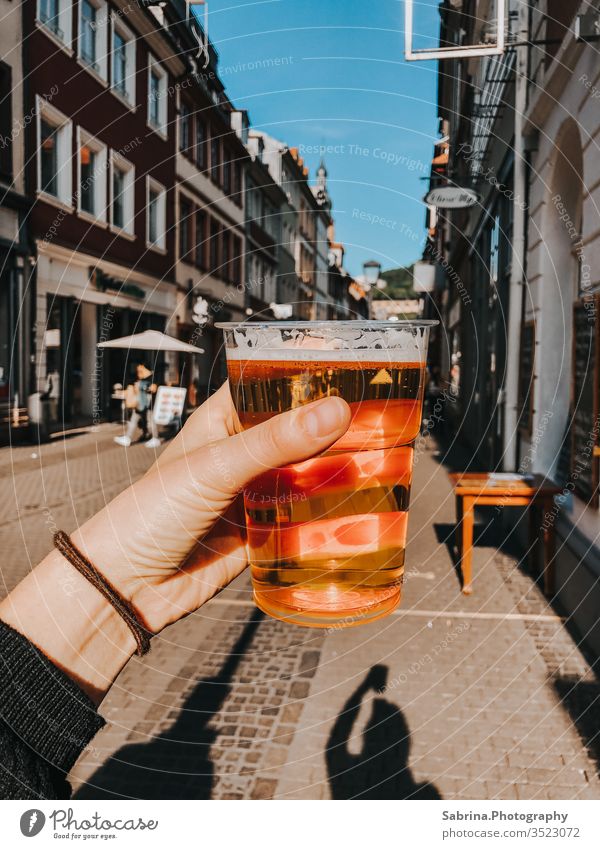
326,537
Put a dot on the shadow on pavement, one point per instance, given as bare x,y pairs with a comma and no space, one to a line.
381,769
175,765
581,699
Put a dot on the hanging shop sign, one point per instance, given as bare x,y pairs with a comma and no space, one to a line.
452,197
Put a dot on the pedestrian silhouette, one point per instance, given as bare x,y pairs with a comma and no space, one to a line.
175,765
381,769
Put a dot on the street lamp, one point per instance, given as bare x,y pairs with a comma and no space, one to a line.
372,279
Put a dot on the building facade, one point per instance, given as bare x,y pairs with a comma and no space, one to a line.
101,167
264,233
210,198
16,259
133,196
519,300
473,246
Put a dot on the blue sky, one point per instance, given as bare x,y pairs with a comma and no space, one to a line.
331,73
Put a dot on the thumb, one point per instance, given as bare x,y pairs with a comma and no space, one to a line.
287,438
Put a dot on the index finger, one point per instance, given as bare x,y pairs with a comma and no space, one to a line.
213,420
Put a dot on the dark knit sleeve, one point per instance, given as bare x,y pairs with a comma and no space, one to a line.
46,721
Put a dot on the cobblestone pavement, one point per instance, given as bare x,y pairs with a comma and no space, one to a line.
453,697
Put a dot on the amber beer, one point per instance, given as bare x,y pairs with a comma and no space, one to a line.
326,537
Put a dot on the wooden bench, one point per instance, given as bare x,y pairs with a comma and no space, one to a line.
487,489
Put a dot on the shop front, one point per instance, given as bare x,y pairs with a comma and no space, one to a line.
80,302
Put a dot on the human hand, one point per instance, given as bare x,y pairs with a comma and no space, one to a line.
168,543
176,537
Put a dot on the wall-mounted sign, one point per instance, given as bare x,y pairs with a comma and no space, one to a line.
452,197
102,282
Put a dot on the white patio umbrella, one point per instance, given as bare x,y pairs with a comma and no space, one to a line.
151,340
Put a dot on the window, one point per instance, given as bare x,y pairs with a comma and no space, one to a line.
49,14
157,97
118,192
215,159
6,128
237,260
214,247
251,192
200,240
185,129
87,32
154,110
237,183
185,222
49,157
201,143
155,215
91,174
93,20
87,170
225,255
54,133
123,61
270,220
55,16
119,62
227,174
122,182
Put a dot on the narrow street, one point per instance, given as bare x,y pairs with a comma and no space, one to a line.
451,697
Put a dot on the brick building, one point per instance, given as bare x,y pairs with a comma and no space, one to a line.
101,167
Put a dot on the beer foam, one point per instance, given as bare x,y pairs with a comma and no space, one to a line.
386,345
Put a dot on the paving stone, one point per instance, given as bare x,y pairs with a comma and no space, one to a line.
264,788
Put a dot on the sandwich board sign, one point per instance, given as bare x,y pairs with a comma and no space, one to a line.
169,404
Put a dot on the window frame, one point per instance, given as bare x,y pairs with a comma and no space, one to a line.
44,111
122,164
99,66
118,28
99,215
200,247
185,229
225,254
155,66
62,34
186,112
6,150
201,161
215,167
161,244
214,252
237,261
226,172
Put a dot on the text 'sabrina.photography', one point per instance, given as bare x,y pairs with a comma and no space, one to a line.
300,422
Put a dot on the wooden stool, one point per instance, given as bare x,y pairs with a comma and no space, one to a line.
487,489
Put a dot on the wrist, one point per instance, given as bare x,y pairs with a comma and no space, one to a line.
70,621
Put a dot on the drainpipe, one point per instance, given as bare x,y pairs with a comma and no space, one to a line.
519,237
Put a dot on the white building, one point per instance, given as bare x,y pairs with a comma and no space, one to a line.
562,128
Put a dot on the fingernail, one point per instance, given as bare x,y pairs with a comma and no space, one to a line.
324,417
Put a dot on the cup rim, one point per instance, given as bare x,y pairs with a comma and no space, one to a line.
367,324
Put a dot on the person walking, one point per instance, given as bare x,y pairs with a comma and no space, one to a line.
141,415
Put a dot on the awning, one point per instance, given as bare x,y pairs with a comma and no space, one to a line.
151,340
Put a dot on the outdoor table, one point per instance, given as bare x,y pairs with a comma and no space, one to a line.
499,490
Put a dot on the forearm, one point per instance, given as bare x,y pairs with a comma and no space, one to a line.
68,619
